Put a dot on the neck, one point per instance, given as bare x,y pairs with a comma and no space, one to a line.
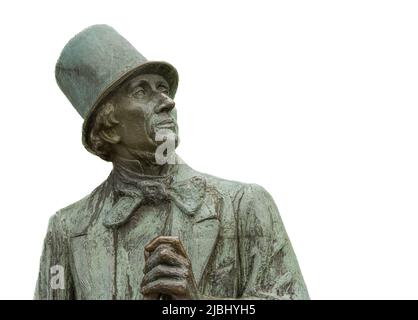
144,165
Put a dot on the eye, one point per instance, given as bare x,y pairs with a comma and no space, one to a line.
139,93
163,89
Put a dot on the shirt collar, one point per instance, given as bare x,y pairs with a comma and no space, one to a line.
127,169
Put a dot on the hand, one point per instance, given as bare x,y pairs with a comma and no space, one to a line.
168,271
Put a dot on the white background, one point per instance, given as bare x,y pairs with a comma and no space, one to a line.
314,100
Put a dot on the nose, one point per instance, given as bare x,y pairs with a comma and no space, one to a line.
167,104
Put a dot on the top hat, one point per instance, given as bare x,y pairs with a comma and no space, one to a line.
96,61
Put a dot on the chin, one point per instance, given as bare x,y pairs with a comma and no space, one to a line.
169,144
165,135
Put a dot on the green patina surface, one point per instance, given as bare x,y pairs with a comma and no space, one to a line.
228,240
236,241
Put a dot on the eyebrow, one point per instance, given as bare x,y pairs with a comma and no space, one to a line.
162,82
135,84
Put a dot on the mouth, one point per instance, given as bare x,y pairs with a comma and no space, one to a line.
165,124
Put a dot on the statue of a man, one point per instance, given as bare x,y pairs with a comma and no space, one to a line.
155,228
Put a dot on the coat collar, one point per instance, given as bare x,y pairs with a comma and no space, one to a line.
132,189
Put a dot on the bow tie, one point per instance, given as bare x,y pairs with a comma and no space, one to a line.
132,192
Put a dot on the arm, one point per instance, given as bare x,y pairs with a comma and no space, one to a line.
269,268
54,279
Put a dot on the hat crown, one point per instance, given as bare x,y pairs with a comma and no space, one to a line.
91,61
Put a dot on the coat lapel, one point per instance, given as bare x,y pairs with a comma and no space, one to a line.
205,235
198,234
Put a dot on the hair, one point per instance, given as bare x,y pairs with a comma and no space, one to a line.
104,119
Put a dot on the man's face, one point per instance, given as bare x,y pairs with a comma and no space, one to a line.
143,107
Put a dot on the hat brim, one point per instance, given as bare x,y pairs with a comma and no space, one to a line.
162,68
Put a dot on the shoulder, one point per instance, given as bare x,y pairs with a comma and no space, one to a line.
253,206
236,190
73,218
224,187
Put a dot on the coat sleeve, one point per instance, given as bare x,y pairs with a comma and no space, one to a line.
268,264
54,278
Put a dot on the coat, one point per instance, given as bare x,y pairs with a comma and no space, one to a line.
235,239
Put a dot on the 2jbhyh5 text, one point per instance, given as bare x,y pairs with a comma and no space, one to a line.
209,310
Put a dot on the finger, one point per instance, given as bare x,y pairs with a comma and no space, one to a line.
157,251
165,286
173,241
165,256
164,271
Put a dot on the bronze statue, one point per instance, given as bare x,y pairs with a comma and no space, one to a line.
155,228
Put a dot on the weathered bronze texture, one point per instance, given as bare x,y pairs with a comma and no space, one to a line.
155,228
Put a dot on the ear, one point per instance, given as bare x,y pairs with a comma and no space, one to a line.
110,136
